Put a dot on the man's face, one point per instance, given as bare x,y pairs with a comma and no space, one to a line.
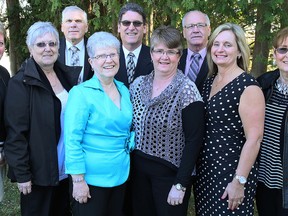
197,35
74,26
131,35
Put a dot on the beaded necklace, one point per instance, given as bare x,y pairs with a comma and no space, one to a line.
282,87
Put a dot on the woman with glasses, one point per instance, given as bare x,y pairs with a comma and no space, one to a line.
272,189
98,140
234,105
168,119
34,108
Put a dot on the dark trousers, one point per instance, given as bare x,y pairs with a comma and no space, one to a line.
103,202
151,182
47,201
269,201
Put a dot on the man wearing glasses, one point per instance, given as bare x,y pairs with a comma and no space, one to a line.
196,30
72,50
135,57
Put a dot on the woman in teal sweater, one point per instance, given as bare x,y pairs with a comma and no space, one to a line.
97,133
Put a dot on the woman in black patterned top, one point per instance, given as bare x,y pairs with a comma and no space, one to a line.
272,189
235,106
168,120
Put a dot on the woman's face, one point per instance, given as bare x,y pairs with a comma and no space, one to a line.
2,45
281,57
45,50
224,50
105,63
165,60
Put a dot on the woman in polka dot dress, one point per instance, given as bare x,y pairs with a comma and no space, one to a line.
227,172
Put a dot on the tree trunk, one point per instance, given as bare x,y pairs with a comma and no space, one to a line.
262,38
14,26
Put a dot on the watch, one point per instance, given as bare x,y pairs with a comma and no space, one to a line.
241,179
179,187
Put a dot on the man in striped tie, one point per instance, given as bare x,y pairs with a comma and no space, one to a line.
196,30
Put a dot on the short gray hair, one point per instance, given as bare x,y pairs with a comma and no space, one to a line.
74,8
102,40
39,29
205,15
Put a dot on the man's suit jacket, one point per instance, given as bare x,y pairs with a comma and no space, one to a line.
143,67
203,73
88,73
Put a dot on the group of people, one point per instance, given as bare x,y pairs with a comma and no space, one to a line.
103,127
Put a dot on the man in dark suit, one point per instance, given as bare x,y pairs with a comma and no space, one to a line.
74,26
132,27
196,30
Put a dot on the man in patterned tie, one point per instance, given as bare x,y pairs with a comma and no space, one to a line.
135,59
196,30
72,49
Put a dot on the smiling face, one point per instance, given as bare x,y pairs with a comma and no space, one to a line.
131,36
2,45
105,68
165,60
45,56
224,50
282,59
74,26
197,37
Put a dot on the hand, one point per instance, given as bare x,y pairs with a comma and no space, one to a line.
235,193
175,197
81,192
25,187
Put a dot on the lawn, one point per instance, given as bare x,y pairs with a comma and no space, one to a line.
10,204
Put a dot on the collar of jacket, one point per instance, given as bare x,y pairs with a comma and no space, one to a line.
32,76
95,83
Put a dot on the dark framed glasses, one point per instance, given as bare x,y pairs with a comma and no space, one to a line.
282,50
44,44
127,23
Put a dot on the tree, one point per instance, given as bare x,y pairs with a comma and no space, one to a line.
265,16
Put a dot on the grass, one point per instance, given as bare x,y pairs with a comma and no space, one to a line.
10,204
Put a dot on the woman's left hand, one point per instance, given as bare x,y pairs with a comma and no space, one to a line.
175,197
235,193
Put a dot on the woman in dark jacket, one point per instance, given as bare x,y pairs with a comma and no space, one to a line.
272,189
34,108
4,77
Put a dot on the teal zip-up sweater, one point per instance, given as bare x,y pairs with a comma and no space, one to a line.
97,134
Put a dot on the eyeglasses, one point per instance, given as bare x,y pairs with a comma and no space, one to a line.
170,53
127,23
282,50
198,25
105,56
44,44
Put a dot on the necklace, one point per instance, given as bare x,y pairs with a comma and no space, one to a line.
282,87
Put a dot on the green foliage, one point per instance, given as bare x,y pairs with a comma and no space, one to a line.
103,14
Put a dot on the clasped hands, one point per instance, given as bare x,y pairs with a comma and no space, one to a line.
175,197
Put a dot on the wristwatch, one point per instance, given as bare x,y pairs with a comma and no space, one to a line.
179,187
241,179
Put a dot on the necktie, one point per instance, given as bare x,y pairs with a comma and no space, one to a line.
194,66
130,67
74,56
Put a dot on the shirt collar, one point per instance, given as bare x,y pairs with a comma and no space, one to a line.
80,45
136,52
202,52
